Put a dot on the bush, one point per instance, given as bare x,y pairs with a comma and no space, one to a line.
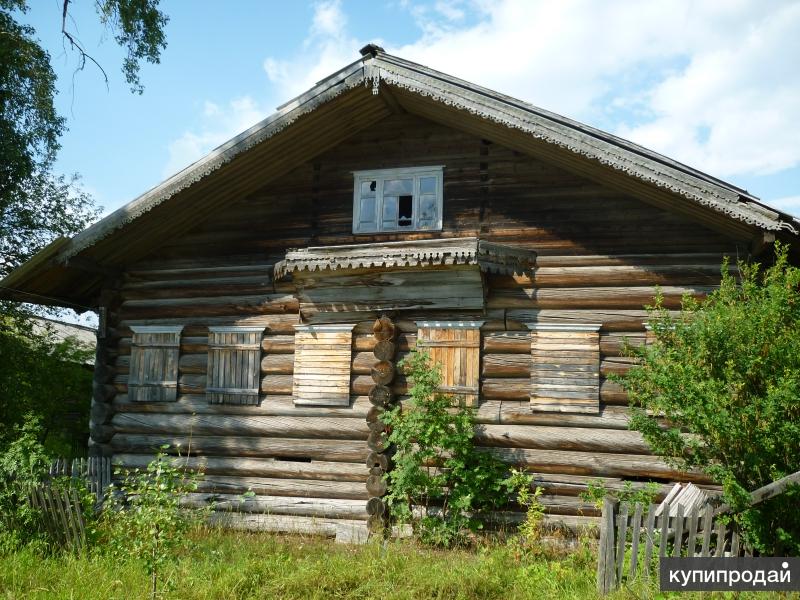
143,519
725,375
23,464
45,377
437,467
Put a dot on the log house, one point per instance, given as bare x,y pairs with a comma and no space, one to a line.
254,305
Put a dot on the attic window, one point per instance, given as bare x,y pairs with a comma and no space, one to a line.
408,199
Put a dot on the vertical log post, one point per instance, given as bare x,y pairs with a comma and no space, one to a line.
381,397
103,391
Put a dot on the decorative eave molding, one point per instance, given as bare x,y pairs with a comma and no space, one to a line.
450,324
490,257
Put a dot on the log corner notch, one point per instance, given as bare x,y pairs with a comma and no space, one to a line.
381,397
103,390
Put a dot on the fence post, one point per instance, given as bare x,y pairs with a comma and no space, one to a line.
606,573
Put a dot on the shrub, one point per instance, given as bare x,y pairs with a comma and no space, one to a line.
530,531
725,375
437,466
23,464
144,520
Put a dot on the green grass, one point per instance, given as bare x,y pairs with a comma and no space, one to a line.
227,565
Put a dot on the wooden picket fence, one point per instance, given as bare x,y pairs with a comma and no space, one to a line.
58,504
95,471
634,537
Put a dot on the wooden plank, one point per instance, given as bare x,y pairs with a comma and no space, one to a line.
636,533
662,550
692,540
708,522
679,528
622,530
650,522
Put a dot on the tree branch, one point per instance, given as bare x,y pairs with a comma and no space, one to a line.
76,45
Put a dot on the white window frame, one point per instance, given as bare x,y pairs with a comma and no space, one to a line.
380,176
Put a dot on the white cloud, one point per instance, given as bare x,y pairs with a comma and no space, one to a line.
789,204
713,84
327,48
219,124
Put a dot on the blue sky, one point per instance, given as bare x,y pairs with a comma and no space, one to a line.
713,84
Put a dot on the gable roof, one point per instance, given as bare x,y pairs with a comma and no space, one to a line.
418,86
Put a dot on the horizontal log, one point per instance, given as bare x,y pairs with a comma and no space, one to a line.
272,405
594,297
633,274
595,464
255,467
333,508
506,342
213,306
306,488
287,448
236,425
510,412
284,523
561,438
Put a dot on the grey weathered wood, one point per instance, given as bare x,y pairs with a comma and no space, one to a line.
692,539
721,541
650,522
734,541
636,533
679,528
766,492
662,550
621,535
605,562
234,365
708,523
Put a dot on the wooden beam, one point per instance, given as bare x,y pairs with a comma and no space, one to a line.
385,93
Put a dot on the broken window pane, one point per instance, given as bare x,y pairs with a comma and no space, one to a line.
368,188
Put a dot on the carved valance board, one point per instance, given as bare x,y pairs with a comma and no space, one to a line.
410,275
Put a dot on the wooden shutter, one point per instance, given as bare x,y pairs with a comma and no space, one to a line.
234,365
322,356
456,345
153,375
565,370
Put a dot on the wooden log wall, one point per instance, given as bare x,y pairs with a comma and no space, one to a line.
601,255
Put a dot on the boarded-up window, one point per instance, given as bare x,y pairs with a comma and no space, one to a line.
565,369
234,365
154,363
456,345
322,355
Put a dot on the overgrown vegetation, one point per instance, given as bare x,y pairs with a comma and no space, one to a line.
530,530
440,482
45,380
23,463
629,494
725,375
143,518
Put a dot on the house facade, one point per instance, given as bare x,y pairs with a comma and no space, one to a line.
254,306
